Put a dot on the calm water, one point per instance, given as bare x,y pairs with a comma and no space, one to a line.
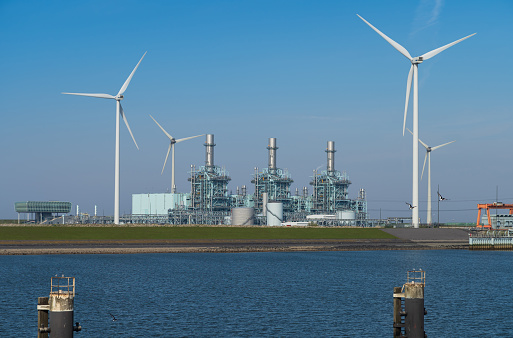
314,294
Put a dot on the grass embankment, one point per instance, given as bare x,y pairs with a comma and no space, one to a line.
185,233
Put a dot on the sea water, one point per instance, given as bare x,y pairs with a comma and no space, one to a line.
294,294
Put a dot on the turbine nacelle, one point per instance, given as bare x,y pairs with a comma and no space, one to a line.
417,60
119,97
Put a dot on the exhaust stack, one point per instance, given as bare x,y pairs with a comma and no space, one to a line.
209,152
331,157
272,155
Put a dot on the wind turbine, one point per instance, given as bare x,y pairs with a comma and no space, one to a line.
428,158
172,146
119,111
414,71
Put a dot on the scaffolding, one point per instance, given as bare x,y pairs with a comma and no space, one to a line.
209,189
330,192
276,184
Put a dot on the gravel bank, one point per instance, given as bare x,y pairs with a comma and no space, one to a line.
187,246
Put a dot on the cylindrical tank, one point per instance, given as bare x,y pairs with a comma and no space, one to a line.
264,203
346,216
272,154
243,216
274,213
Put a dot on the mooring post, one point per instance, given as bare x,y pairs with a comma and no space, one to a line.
409,316
42,317
397,311
414,304
59,309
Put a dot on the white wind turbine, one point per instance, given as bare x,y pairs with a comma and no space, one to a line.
428,158
414,70
172,147
119,111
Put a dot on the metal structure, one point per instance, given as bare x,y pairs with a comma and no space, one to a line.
119,112
59,308
428,158
491,240
487,207
43,211
172,142
209,184
409,308
413,76
209,201
272,181
330,187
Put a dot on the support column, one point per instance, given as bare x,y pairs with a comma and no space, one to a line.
42,317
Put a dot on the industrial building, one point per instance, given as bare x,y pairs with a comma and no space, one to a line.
272,203
273,183
209,184
43,211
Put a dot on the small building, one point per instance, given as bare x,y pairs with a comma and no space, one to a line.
499,221
158,204
43,211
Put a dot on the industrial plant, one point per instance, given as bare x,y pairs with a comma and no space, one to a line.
272,203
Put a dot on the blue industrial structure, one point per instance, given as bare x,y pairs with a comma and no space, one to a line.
209,201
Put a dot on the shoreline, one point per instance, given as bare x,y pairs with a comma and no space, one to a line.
218,246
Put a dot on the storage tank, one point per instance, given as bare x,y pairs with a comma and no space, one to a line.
346,216
274,213
243,216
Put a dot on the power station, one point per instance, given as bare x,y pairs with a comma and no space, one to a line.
272,203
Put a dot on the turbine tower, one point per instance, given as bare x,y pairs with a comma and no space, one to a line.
414,71
119,111
428,158
172,147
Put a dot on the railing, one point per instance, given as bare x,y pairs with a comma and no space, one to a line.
62,285
416,277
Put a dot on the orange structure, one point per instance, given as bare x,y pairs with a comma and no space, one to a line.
495,205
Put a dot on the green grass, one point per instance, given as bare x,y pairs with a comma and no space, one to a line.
8,221
195,233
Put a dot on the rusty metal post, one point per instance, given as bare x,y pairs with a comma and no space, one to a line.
397,311
59,309
414,304
42,317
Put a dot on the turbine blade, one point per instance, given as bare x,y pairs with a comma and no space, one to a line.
188,138
165,132
101,96
167,155
429,55
425,157
425,145
122,90
397,46
440,146
408,89
126,122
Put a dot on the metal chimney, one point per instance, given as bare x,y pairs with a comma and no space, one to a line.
331,157
209,146
272,155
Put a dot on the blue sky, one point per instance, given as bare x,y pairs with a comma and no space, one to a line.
305,72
